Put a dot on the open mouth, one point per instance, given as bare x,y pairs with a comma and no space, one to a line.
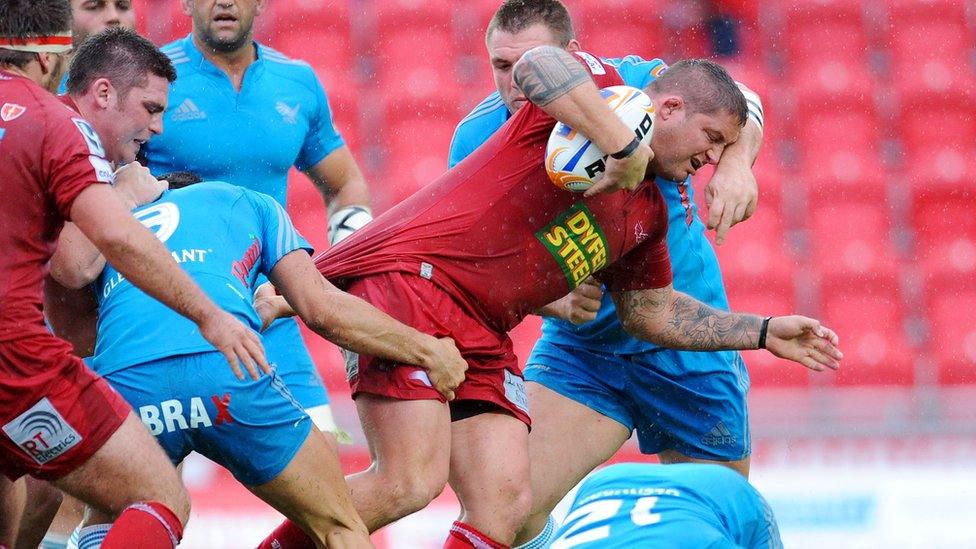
224,18
695,163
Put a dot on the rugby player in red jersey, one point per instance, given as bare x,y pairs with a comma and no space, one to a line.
492,240
59,421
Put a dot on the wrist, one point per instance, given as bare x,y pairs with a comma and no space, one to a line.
763,332
628,150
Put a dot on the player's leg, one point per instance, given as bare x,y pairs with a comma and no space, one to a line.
571,392
45,500
490,474
692,407
145,493
568,440
12,496
410,444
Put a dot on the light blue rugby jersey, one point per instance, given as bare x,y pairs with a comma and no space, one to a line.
223,236
667,501
279,119
693,262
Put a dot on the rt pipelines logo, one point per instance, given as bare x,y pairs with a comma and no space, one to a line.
42,432
576,242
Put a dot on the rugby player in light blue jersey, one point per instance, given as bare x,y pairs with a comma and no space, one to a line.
225,237
240,111
586,374
688,505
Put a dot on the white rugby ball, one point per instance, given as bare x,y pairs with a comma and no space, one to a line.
573,162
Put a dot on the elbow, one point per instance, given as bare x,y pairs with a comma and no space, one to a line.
74,278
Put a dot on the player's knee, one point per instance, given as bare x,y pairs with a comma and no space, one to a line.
411,494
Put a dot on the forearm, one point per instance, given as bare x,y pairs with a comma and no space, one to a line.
77,262
340,181
743,153
354,324
678,321
555,81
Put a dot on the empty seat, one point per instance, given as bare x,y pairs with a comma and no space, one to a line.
840,142
756,247
868,315
952,330
851,239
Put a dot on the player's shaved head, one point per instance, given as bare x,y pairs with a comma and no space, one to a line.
120,55
705,86
25,19
514,16
180,179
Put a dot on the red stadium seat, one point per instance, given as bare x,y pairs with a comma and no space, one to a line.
949,122
825,30
417,64
913,42
851,239
416,156
868,315
297,16
329,53
839,143
945,229
767,296
952,333
420,15
602,30
756,248
911,10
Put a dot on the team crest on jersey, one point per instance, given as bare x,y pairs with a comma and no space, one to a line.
11,111
162,219
289,115
639,233
576,242
42,432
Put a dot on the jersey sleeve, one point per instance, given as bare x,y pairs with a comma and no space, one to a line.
75,159
647,265
461,146
322,137
279,236
638,72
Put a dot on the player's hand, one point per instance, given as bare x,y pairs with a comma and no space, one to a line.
731,196
136,186
804,340
623,174
445,367
238,343
270,306
579,306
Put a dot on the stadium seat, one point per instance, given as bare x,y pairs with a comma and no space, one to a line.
912,10
602,30
851,238
419,15
949,123
840,143
756,248
868,315
825,30
329,53
417,64
524,337
913,42
952,332
416,154
297,16
767,296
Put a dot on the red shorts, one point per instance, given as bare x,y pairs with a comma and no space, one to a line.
493,372
54,412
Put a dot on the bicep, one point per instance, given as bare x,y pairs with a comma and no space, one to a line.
299,281
338,173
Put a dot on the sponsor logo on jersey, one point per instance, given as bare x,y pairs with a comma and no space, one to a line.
11,111
95,147
639,233
576,242
162,219
188,110
42,432
596,67
242,267
171,415
289,115
659,70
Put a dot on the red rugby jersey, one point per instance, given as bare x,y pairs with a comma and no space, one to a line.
48,155
497,235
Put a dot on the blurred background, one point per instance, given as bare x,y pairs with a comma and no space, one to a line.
866,220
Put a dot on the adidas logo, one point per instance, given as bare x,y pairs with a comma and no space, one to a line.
719,436
188,111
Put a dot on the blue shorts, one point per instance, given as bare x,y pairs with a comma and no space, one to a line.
284,345
691,402
194,402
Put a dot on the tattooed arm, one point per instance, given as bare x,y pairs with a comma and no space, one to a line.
678,321
555,81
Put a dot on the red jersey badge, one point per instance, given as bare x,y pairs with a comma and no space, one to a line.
11,111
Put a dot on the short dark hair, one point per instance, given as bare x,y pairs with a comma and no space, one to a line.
120,55
180,179
516,15
705,86
30,18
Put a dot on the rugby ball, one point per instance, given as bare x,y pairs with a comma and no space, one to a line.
573,162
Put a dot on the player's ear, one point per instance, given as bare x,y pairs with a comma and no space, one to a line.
187,7
574,45
261,4
670,106
103,92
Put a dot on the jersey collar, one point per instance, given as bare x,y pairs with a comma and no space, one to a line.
200,61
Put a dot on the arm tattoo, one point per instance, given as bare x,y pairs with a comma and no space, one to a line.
678,321
547,73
